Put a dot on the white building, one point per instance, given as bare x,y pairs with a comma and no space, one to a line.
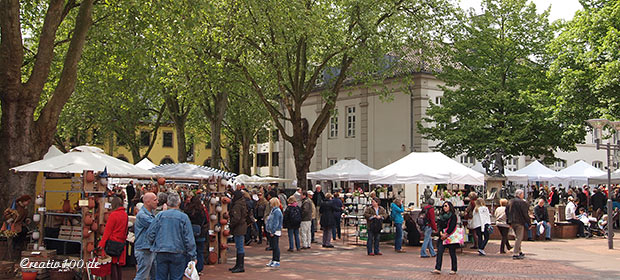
378,132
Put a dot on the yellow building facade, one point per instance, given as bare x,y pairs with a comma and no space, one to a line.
165,149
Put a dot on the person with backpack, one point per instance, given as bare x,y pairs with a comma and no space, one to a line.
426,221
374,214
292,222
397,215
238,227
259,214
328,221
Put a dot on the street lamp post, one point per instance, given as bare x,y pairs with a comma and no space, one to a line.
598,125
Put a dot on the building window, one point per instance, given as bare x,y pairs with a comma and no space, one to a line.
332,161
333,125
166,160
598,164
350,121
167,139
275,135
467,159
275,161
262,160
145,138
511,161
438,100
560,163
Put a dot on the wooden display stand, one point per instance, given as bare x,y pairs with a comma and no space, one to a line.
219,243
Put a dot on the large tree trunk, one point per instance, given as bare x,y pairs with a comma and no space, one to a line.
22,138
219,110
179,126
245,155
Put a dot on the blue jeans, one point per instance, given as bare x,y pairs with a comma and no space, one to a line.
373,242
293,235
547,228
146,265
200,259
239,241
529,231
398,238
275,246
336,230
428,242
170,266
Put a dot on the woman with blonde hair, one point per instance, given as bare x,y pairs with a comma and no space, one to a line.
273,227
481,223
502,225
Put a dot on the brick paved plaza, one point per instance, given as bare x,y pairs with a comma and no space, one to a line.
558,259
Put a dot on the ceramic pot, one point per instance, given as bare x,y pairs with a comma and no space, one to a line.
212,258
101,229
212,201
32,275
226,232
94,226
223,246
90,247
161,180
36,235
218,209
225,200
217,228
66,206
213,217
225,215
91,202
36,218
223,221
86,232
90,176
38,201
212,187
88,220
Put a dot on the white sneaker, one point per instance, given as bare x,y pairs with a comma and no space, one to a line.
269,264
275,264
482,252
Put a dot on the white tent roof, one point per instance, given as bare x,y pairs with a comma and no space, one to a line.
343,170
145,163
580,171
256,180
615,178
189,170
84,158
536,171
52,152
510,175
426,168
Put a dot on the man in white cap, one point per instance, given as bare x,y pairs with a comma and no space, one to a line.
314,216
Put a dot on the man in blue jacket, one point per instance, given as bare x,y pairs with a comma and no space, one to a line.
172,238
144,256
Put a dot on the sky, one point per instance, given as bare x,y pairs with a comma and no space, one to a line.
560,9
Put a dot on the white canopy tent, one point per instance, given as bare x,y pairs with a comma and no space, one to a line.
426,168
188,170
145,163
536,171
510,175
579,173
85,158
52,152
615,178
343,170
256,180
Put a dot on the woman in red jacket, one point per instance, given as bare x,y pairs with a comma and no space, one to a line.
116,230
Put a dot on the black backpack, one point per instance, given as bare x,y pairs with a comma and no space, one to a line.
375,225
293,217
422,220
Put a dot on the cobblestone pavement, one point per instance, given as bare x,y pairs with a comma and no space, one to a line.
561,259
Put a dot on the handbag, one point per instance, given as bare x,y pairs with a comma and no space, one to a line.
490,229
114,248
457,237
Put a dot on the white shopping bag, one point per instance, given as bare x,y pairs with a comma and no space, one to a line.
191,272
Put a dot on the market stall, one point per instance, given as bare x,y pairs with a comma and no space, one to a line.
70,233
579,173
536,171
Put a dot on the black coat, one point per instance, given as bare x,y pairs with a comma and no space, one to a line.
328,220
598,201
